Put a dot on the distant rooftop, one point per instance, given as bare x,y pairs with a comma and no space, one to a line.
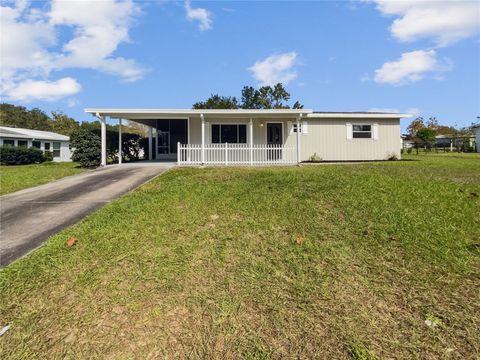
11,132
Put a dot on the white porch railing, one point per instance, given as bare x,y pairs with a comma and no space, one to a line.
235,154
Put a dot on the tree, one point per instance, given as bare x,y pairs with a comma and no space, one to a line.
63,124
86,148
265,97
415,126
217,102
426,136
20,117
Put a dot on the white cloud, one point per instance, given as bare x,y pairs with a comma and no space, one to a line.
44,90
203,16
411,67
275,69
34,48
445,22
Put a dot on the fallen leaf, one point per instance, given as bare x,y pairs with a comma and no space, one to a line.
72,241
214,217
299,239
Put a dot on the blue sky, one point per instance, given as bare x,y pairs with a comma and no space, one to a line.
407,56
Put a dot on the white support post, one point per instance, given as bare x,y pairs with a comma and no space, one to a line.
250,133
203,139
299,158
103,133
119,141
150,143
179,155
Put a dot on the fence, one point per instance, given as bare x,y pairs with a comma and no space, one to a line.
235,154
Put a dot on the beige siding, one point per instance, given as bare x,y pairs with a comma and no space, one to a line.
326,137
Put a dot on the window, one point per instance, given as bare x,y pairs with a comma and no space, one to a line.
9,142
47,146
294,129
56,149
36,144
23,143
229,133
362,131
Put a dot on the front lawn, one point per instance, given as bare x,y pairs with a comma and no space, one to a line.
331,261
14,178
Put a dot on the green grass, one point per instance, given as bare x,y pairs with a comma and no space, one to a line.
14,178
328,262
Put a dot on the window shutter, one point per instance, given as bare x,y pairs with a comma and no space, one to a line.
349,131
304,127
375,131
289,127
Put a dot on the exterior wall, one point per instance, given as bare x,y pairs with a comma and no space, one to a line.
325,137
328,138
65,153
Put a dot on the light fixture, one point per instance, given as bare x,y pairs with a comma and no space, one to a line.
261,124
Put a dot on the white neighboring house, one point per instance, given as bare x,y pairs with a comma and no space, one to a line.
58,145
260,137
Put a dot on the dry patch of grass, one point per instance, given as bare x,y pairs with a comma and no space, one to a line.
359,261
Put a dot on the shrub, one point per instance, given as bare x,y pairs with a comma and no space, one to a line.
392,157
315,158
10,155
409,150
86,148
48,156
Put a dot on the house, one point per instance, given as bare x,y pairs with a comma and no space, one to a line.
255,137
458,141
57,144
476,131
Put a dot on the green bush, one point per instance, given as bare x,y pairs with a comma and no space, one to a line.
10,155
86,148
409,150
48,156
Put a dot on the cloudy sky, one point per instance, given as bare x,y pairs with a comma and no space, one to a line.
421,57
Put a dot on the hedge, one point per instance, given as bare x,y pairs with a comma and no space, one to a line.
10,155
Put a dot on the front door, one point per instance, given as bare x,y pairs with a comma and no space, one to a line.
274,137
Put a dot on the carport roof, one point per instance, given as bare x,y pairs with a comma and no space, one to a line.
257,113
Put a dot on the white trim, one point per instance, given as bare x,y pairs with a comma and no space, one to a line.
375,129
304,127
120,140
349,129
357,115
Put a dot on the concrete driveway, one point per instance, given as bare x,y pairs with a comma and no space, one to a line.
28,217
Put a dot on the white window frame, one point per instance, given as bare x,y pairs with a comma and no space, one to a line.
303,127
220,133
362,131
59,149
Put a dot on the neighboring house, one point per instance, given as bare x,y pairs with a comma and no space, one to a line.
255,137
476,131
447,141
407,143
57,144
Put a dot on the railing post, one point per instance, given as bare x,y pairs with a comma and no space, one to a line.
226,153
179,155
203,138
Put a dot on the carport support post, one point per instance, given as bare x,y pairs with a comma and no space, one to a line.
298,140
150,143
250,133
103,135
203,139
119,141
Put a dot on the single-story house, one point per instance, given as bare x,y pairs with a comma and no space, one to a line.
476,131
256,137
58,145
451,140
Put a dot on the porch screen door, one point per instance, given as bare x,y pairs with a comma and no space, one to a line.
274,137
